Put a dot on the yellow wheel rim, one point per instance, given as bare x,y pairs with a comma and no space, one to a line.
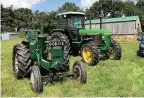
87,54
111,53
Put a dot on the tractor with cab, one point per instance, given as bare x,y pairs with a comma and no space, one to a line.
91,44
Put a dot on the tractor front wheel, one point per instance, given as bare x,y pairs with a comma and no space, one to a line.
114,51
35,80
79,71
90,54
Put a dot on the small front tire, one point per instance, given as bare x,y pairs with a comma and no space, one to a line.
79,71
35,79
115,51
90,54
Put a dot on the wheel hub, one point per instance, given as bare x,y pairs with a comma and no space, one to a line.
111,52
76,71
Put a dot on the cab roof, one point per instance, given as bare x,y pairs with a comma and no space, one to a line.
67,13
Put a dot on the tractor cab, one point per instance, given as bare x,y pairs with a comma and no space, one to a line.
73,19
72,22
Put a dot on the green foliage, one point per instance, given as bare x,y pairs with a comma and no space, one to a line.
23,18
49,21
110,78
115,8
68,7
7,17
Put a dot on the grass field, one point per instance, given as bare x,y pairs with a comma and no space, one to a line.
109,78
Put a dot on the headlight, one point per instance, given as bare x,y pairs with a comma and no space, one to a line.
142,45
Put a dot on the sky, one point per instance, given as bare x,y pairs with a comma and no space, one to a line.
46,5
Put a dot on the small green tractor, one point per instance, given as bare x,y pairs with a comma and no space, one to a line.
43,58
91,44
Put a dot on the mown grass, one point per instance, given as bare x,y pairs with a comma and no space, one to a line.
109,78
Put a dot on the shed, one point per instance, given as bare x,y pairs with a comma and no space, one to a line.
120,25
8,36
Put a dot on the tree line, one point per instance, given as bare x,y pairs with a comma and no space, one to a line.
24,18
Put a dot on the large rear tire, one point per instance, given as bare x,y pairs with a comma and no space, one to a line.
79,71
90,53
115,51
63,37
21,60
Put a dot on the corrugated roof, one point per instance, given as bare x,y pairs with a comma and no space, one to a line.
111,20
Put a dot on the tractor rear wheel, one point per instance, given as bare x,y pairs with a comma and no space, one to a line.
59,36
114,51
21,60
79,71
35,79
90,53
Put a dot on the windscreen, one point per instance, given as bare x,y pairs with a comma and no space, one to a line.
76,21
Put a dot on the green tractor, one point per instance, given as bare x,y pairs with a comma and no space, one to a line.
91,44
43,58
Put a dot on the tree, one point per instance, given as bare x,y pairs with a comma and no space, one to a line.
49,21
68,7
140,6
23,18
113,7
130,9
7,21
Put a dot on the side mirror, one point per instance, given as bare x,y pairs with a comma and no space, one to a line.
138,39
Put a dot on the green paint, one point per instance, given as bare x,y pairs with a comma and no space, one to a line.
94,32
39,50
106,36
107,41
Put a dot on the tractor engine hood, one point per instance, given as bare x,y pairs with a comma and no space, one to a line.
95,32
